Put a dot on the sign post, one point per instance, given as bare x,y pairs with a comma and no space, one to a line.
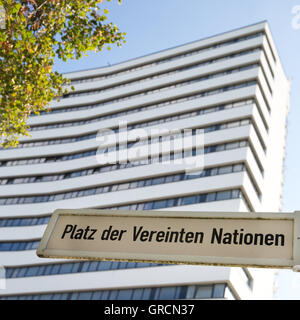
269,240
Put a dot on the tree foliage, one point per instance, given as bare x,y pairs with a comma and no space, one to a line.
35,32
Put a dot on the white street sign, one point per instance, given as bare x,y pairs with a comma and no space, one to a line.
228,239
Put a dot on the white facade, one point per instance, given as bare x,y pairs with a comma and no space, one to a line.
231,85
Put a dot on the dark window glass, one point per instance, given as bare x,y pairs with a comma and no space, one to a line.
219,290
41,270
55,269
148,206
189,200
223,195
131,265
113,295
125,294
31,271
97,295
15,246
85,295
167,293
57,296
235,194
93,265
203,292
137,294
10,272
181,292
105,294
225,170
35,245
146,294
114,265
45,297
66,268
22,272
48,270
76,267
210,197
158,180
85,266
159,204
15,222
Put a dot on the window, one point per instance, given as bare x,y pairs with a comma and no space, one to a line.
210,197
219,290
245,122
140,206
203,292
22,272
159,204
32,271
233,125
243,144
214,171
48,270
148,206
12,273
123,186
233,145
98,190
93,265
113,188
89,192
146,294
223,195
137,294
189,200
176,178
41,270
158,293
75,266
85,295
105,189
58,197
97,295
113,295
85,266
68,195
238,167
105,265
236,194
225,170
66,268
166,293
105,294
5,246
158,180
133,184
15,246
125,294
55,269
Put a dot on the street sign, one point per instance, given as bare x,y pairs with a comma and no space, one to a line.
208,238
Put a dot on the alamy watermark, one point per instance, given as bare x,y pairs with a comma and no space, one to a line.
296,18
183,148
2,278
2,17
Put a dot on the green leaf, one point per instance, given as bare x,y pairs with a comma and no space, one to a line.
28,46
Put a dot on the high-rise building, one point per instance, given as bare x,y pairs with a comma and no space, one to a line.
231,86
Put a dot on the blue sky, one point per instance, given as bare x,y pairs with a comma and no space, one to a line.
160,24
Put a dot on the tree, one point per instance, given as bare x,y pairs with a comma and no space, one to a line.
35,32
